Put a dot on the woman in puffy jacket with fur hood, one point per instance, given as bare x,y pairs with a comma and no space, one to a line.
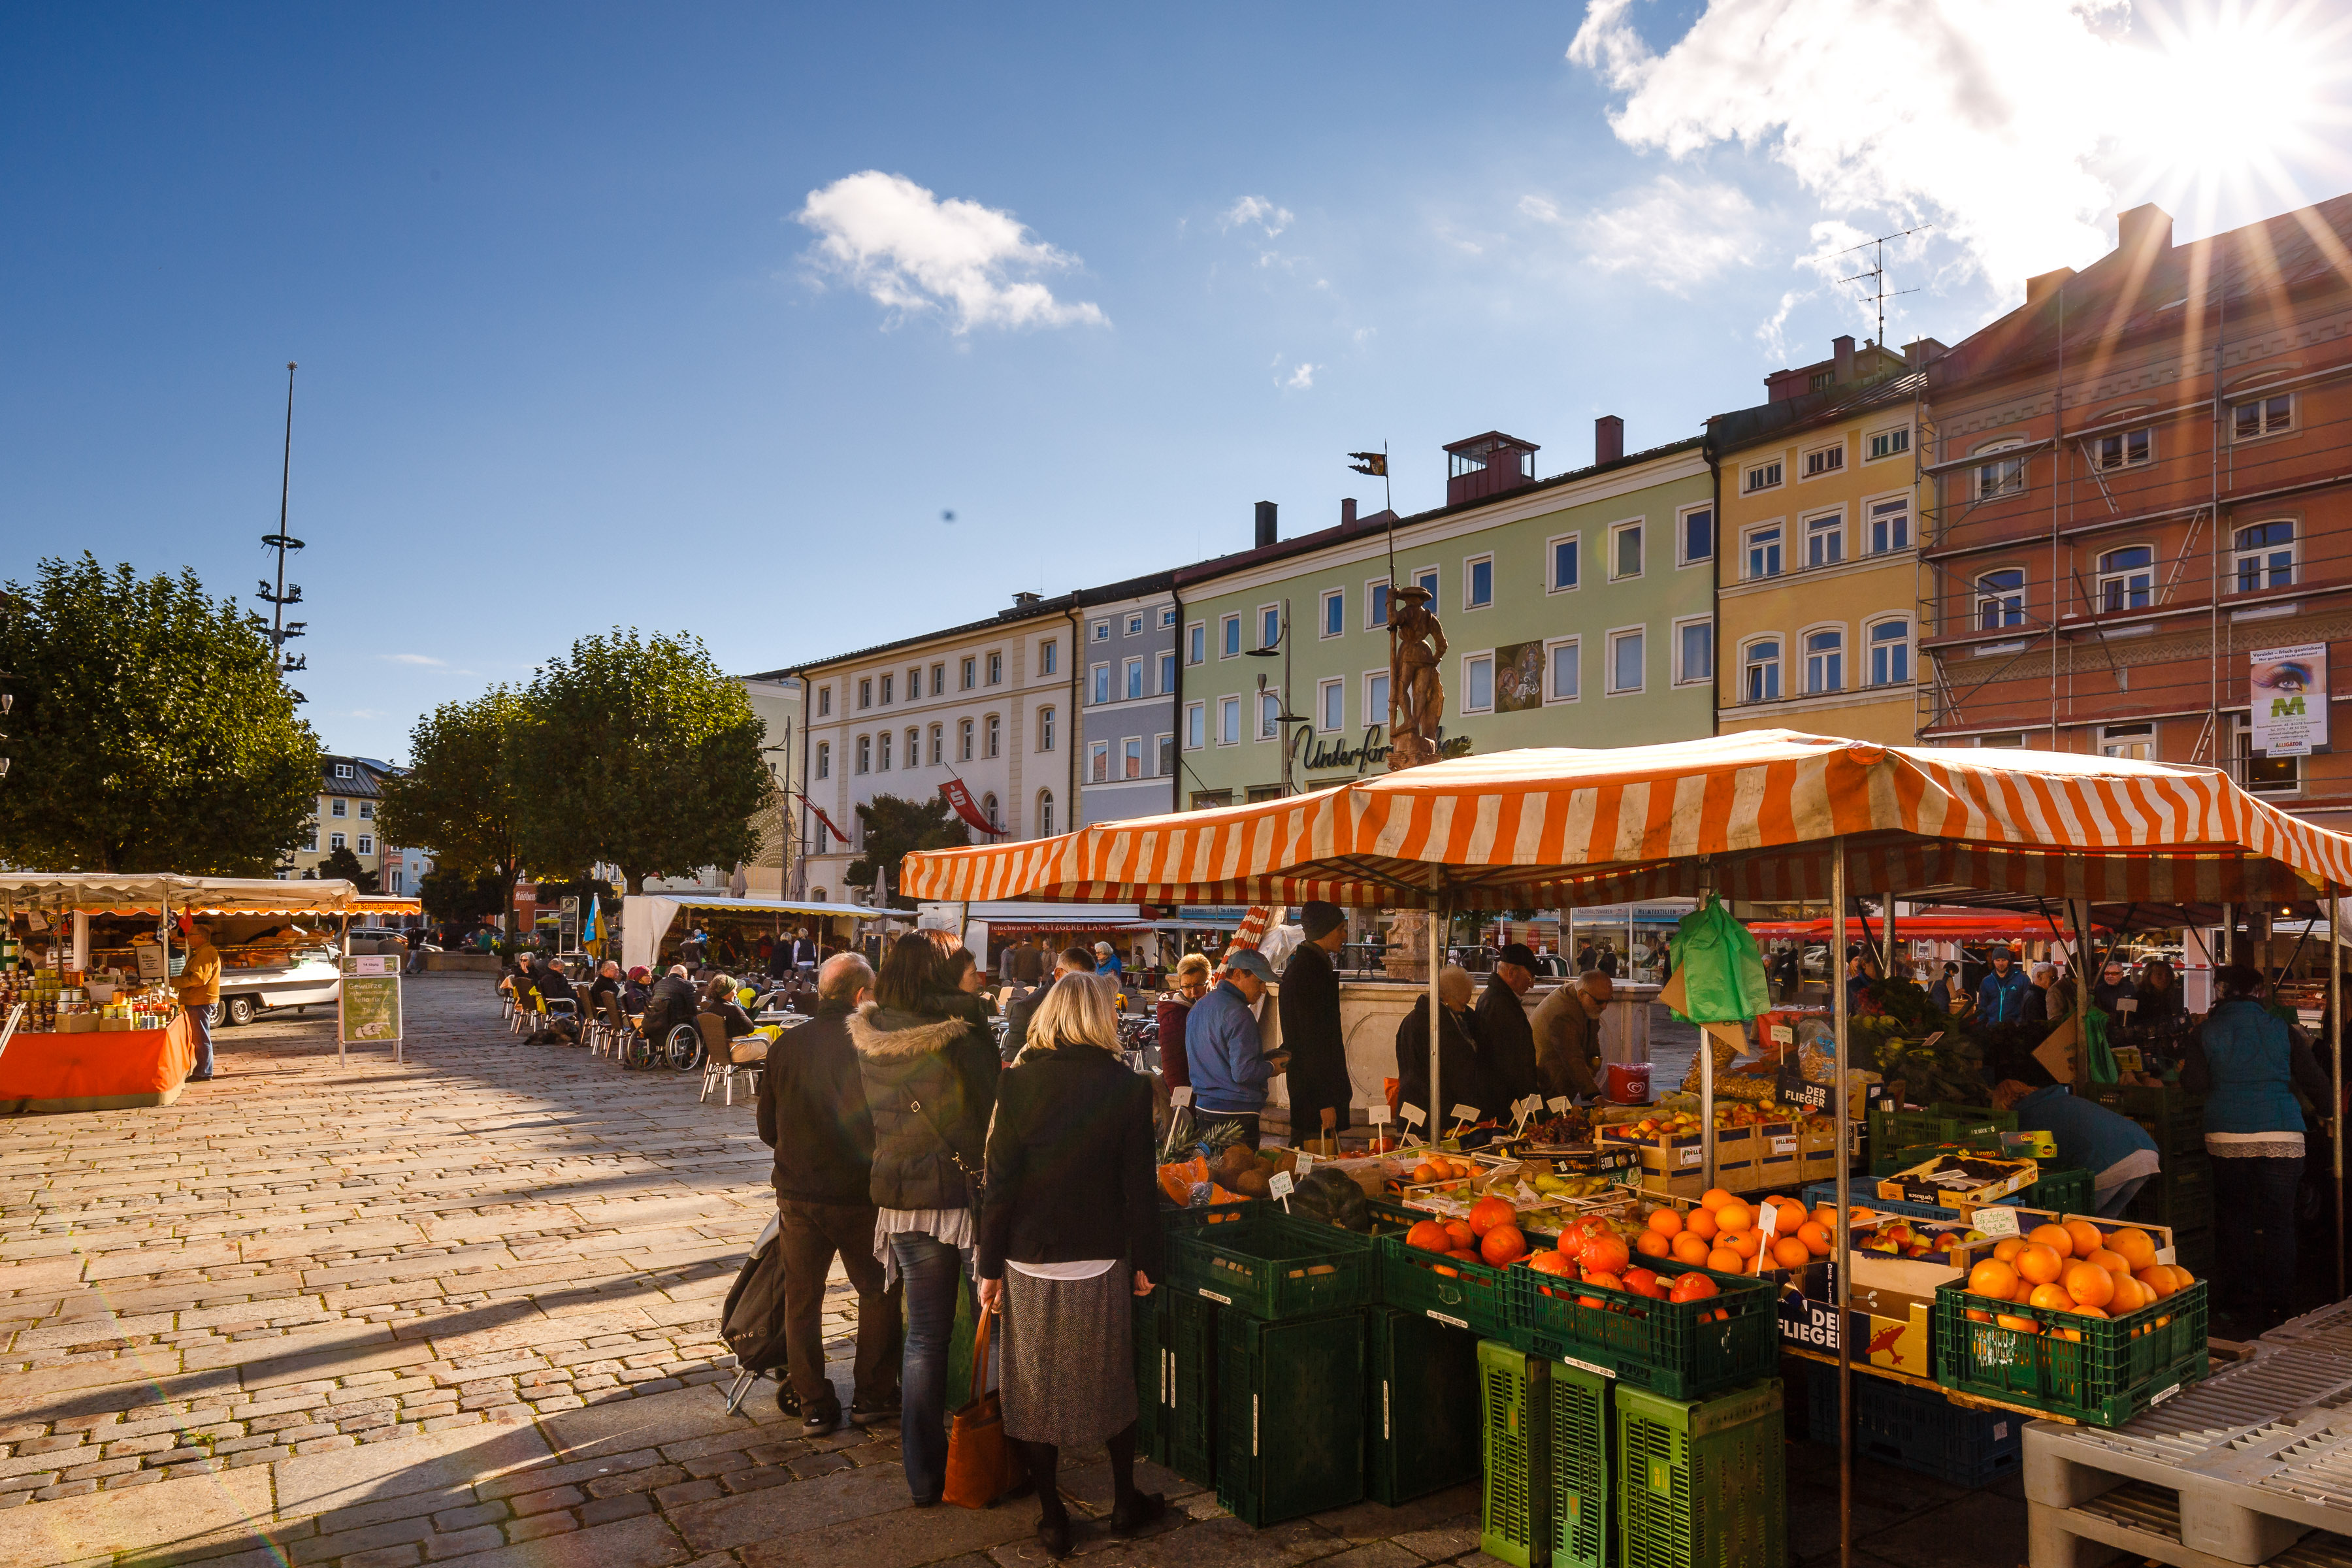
931,1084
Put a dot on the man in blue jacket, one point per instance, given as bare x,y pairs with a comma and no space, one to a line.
1226,1055
2001,998
2115,1149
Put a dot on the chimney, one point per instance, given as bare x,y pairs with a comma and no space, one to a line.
1266,529
1025,601
2144,229
1608,438
1347,512
1919,353
1842,349
2040,288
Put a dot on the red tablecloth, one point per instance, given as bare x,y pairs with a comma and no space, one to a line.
104,1071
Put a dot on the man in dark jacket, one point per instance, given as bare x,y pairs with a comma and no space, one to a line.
1072,961
1462,1078
1308,1004
813,1114
674,1002
1508,1043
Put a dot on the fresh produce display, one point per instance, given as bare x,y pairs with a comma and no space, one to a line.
2076,1269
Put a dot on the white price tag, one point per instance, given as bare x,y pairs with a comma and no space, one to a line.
1995,1223
1559,1104
1379,1114
1694,1154
1281,1186
1182,1095
1767,1219
1306,1164
1465,1113
1783,1146
1414,1114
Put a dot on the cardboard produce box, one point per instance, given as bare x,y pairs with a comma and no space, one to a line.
1891,1302
1949,1181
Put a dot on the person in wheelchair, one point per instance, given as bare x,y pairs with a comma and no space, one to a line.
672,1002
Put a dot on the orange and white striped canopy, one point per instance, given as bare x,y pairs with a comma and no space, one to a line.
1751,815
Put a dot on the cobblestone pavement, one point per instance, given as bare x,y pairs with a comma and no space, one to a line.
465,1309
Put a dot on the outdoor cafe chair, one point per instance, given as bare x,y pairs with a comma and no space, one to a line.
723,1059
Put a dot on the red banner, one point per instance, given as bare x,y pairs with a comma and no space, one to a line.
821,817
960,797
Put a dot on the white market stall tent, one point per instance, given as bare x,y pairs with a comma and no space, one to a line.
645,917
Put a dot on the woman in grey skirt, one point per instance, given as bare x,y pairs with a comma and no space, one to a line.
1069,1234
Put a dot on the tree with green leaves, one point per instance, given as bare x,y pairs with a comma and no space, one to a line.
341,863
640,753
151,730
458,797
461,896
896,827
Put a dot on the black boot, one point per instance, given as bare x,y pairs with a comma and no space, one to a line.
1130,1511
1052,1518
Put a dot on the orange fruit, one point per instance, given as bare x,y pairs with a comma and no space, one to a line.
2039,1263
2022,1325
2112,1262
2158,1281
1992,1278
2054,1237
2087,1310
2024,1292
1503,1243
1826,1218
1666,1223
2007,1248
2136,1245
1723,1260
1489,1212
1424,1173
1817,1240
2182,1277
1714,1198
1735,1218
2090,1285
1429,1236
2130,1295
2087,1237
1462,1234
1690,1249
1791,1252
1747,1242
1700,1223
1649,1243
2051,1296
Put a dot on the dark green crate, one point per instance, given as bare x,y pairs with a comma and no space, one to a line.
1678,1349
2119,1366
1468,1296
1421,1405
1918,1429
1150,1328
1285,1446
1511,1502
2171,1114
2180,1196
1190,1411
1700,1483
1173,1218
2193,1249
2061,1189
1271,1265
1891,1131
1575,1490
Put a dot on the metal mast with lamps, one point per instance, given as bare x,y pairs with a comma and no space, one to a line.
1284,717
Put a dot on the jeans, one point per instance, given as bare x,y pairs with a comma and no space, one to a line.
812,1234
200,1024
2254,1246
930,1272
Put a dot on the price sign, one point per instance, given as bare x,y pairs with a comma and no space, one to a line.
1995,1223
1414,1114
1465,1113
1782,1146
1306,1164
1767,1219
1929,1043
1180,1095
1379,1114
1694,1154
1281,1187
1559,1104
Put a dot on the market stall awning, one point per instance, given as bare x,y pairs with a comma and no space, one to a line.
1751,815
386,904
1990,925
100,892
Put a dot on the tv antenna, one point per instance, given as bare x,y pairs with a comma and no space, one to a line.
285,593
1876,273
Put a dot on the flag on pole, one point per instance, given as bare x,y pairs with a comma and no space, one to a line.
960,797
822,818
1373,463
588,918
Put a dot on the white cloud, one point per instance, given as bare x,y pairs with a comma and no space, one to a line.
1255,210
1302,378
1991,118
426,659
1676,234
915,253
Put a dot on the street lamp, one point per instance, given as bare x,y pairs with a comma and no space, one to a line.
1285,718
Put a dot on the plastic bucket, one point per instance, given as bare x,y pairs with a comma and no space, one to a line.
1629,1083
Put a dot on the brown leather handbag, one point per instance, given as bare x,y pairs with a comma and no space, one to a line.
984,1466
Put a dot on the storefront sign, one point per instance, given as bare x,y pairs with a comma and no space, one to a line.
1311,753
2289,691
368,1013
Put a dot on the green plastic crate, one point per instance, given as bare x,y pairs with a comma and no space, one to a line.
2061,1189
1151,1328
2119,1367
1511,1504
2193,1249
1575,1490
1468,1296
1893,1132
1678,1349
2180,1196
1421,1405
1285,1447
1190,1411
1271,1265
1172,1219
2171,1114
1701,1483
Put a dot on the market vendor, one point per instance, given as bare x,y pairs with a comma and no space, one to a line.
1308,1004
1566,1029
2115,1149
198,984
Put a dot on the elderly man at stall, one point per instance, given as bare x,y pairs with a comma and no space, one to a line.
1462,1072
1308,1002
1226,1052
1567,1031
198,984
1510,1045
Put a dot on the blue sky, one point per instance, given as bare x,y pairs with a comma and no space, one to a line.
702,317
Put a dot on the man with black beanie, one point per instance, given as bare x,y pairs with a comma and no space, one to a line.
1310,1007
1510,1045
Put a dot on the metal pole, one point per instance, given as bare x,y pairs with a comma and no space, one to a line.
1844,1251
1436,1021
2335,1072
1886,936
1705,1093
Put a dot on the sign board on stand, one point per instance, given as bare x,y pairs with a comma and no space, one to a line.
367,1010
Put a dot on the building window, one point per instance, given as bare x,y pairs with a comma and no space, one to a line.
915,683
2128,449
1624,662
2015,742
367,811
396,883
1269,715
334,841
1335,613
886,683
882,753
1196,643
1562,555
1135,626
2001,599
914,748
1890,443
963,741
1230,637
1824,662
1049,656
1760,671
1044,729
1561,671
2127,579
824,759
1098,683
1098,762
1196,725
1762,477
1890,653
1479,683
2132,743
1478,583
1820,379
865,693
995,734
1229,721
1824,461
938,681
1134,678
342,770
1165,746
1167,616
367,845
2263,416
1130,757
1890,525
1694,652
940,742
1045,814
992,812
996,669
2005,477
1101,631
1376,602
969,665
1698,534
337,808
1764,552
823,702
1825,540
1330,705
310,840
2263,556
1209,799
2261,775
1269,625
1426,581
1625,551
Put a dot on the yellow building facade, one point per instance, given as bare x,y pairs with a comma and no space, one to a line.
1817,584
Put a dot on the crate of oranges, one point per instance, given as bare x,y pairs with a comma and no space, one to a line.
2077,1318
1454,1268
1639,1294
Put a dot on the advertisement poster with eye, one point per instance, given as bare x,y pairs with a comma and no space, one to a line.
2289,689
